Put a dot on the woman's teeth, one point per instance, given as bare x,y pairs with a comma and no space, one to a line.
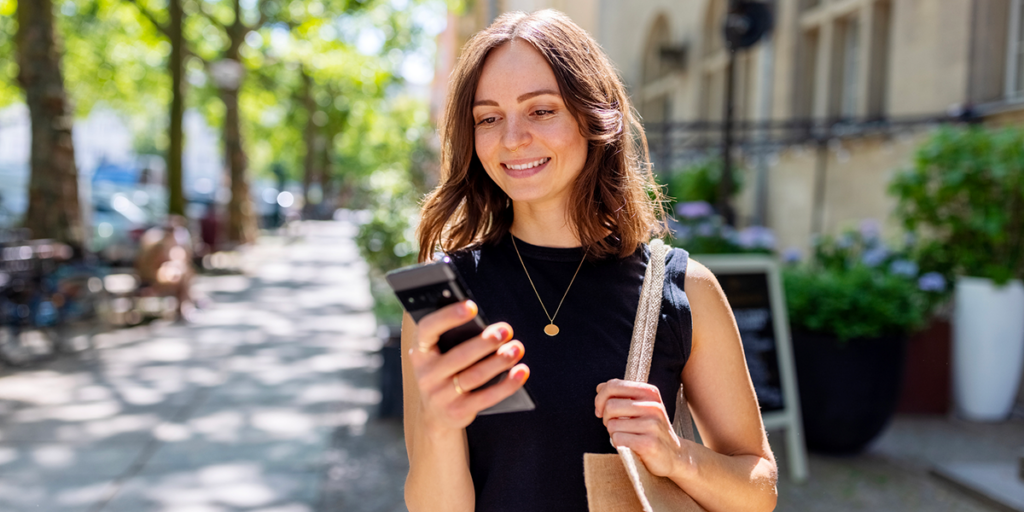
530,165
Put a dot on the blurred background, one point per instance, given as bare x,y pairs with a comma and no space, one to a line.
199,200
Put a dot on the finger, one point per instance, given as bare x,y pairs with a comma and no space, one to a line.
639,443
626,408
467,353
643,425
431,327
618,388
482,372
488,397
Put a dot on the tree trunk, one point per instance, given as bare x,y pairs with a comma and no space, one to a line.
309,138
53,209
242,227
241,220
175,189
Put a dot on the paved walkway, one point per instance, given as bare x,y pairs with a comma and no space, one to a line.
267,402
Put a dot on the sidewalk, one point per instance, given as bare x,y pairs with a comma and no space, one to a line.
896,472
268,403
265,403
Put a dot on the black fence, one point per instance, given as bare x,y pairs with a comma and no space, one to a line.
674,145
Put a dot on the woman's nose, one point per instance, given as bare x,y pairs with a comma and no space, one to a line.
516,135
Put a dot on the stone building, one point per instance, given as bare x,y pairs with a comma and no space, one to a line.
849,89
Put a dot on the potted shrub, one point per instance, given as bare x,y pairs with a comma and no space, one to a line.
387,241
965,193
699,181
851,309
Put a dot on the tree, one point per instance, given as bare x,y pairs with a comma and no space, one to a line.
174,31
53,210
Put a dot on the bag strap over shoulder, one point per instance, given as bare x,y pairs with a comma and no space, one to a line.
638,366
641,348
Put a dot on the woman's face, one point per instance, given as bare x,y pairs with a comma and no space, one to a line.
527,140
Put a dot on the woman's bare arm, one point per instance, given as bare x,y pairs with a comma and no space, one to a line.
436,414
735,468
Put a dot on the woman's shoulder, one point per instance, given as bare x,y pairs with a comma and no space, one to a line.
676,265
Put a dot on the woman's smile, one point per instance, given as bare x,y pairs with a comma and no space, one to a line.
521,170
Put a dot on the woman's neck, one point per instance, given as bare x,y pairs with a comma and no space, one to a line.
546,227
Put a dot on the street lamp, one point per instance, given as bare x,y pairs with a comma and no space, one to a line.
746,22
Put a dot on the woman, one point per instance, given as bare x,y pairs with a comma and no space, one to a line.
544,205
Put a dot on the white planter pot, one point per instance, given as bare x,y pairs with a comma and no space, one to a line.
988,347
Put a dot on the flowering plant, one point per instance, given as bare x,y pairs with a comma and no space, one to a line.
965,191
700,231
857,286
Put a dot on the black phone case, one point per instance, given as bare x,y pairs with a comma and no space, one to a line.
423,289
419,290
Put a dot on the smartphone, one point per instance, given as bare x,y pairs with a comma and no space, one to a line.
423,289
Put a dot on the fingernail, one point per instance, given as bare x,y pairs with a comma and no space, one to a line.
504,334
520,375
471,308
514,349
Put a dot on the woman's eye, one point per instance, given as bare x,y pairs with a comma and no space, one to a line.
543,112
487,120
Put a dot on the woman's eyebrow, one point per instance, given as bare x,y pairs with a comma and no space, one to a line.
522,97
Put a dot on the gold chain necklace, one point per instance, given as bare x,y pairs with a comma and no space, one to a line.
551,329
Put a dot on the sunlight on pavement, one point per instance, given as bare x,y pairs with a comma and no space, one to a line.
236,411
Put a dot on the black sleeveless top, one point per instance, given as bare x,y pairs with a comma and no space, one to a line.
534,460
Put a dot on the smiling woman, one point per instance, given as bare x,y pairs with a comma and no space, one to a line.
545,206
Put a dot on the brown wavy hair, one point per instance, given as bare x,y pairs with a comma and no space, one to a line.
615,192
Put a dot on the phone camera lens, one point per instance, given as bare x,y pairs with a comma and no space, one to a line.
446,294
411,300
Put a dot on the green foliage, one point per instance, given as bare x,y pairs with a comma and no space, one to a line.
966,193
388,240
699,181
9,90
858,287
113,57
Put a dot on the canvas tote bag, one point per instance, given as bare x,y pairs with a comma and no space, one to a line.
620,482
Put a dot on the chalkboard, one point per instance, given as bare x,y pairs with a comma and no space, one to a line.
754,289
751,306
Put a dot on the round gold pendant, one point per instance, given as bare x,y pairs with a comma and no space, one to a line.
551,329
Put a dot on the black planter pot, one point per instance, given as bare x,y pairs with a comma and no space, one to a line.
848,392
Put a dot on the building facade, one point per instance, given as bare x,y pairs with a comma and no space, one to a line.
834,101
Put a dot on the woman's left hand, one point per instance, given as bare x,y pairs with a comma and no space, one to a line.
636,418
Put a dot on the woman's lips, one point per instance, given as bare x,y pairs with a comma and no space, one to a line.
527,172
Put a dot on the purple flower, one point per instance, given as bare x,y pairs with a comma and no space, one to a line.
792,255
683,232
903,268
758,237
694,209
932,282
870,229
874,257
705,229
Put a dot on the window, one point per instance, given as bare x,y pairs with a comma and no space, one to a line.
1015,53
807,53
850,72
714,66
842,60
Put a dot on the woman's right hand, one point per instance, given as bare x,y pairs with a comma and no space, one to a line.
445,405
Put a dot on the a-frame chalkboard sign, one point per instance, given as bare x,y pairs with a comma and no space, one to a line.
754,288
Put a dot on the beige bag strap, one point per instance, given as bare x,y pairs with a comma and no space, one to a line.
641,348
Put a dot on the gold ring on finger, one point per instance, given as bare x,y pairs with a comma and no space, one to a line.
458,388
